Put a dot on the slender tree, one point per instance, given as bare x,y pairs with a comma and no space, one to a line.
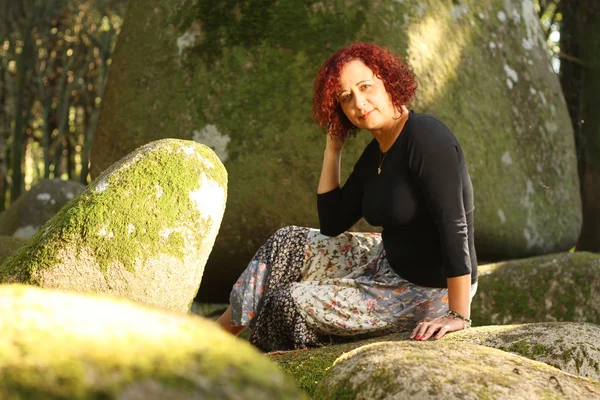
20,103
580,79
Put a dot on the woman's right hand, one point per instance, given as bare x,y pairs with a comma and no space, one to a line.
333,144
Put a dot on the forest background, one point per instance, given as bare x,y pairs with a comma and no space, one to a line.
55,58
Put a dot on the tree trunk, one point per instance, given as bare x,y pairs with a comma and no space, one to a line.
20,110
580,79
94,114
2,175
4,129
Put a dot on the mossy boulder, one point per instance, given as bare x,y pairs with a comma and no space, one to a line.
240,81
569,346
142,230
310,365
555,287
441,370
59,345
8,246
34,208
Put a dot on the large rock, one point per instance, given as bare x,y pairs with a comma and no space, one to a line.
241,82
26,215
142,230
423,371
556,287
58,345
569,346
8,246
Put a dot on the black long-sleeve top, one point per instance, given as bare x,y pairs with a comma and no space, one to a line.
423,200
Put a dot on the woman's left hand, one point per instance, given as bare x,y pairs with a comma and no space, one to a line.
442,325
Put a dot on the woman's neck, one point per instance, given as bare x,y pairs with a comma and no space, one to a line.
387,137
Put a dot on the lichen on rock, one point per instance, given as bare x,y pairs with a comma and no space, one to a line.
142,230
555,287
568,346
58,345
439,370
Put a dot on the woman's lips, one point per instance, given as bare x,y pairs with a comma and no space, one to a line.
367,114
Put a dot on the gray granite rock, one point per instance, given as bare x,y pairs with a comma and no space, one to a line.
555,287
572,347
59,345
241,83
34,208
441,370
142,230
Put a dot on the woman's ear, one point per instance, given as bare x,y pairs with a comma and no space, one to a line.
400,112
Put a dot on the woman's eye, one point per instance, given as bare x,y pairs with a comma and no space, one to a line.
365,86
346,97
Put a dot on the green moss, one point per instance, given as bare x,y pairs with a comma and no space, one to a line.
524,348
279,23
131,220
539,350
76,363
344,389
557,287
520,347
308,367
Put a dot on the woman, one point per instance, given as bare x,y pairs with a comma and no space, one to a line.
304,287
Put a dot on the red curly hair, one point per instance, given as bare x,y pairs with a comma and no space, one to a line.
397,77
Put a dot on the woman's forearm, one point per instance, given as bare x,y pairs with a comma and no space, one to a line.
459,295
330,173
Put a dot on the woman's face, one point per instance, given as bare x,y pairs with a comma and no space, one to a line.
363,97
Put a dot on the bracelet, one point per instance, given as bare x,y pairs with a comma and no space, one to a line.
466,321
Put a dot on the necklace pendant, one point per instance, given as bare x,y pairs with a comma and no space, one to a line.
378,170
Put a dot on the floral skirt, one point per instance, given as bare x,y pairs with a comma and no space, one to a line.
304,289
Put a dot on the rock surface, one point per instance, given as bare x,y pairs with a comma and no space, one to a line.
430,370
58,345
555,287
8,246
33,209
492,84
569,346
142,230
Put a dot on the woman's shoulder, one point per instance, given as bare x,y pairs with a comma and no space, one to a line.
427,121
425,128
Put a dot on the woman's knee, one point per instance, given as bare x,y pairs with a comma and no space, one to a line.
284,232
